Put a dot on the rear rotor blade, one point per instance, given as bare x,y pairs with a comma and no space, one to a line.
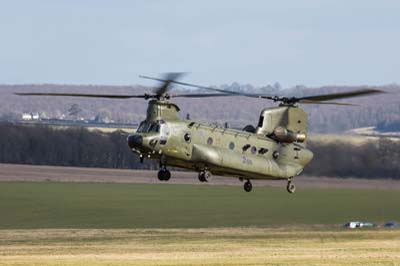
340,95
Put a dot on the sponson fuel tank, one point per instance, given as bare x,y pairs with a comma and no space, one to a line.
253,164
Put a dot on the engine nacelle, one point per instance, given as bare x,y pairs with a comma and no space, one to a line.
282,134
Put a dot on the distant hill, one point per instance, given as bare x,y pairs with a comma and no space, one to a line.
237,111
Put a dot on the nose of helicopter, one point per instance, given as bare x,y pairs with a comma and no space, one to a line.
135,141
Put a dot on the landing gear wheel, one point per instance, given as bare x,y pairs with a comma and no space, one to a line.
164,174
291,188
247,186
205,176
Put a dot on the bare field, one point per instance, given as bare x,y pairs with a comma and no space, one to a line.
15,172
228,246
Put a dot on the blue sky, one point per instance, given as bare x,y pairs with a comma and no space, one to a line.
305,42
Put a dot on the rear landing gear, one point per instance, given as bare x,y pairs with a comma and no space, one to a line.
291,188
205,176
247,186
164,174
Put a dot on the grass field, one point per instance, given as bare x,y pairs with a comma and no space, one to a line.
102,205
50,223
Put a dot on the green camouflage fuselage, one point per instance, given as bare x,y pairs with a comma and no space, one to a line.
165,137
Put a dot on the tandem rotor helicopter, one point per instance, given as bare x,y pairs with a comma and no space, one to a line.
276,149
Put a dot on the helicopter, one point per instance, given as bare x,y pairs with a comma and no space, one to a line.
276,149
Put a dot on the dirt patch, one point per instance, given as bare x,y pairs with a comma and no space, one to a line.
236,246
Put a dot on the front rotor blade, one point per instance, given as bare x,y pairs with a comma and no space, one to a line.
210,88
167,80
110,96
341,95
201,95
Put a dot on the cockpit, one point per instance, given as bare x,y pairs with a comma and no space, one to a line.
148,127
150,134
158,127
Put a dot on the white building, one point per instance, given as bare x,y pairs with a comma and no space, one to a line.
30,116
26,116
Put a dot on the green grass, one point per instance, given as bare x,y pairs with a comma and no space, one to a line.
98,205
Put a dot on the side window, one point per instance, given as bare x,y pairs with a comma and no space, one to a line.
261,121
231,145
187,137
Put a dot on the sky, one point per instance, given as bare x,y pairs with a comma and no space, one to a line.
302,42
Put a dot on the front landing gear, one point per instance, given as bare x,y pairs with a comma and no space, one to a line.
247,186
205,176
164,174
291,188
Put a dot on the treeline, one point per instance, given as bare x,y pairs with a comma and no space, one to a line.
388,126
43,145
370,160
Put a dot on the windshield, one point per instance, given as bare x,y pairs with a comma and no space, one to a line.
147,127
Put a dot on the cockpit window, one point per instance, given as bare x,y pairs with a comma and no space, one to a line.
141,127
147,127
151,127
261,121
